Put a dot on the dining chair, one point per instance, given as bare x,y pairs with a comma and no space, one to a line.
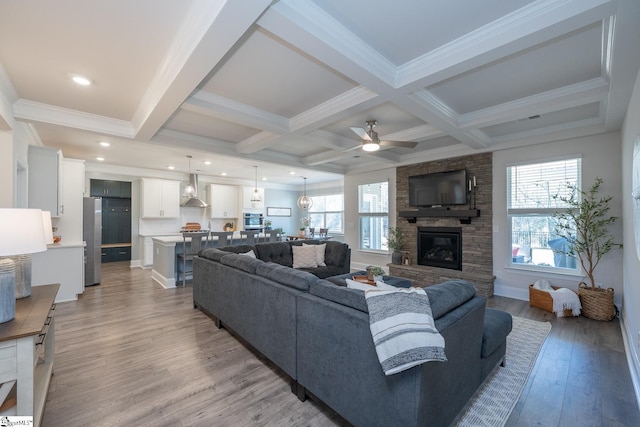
312,232
195,244
323,233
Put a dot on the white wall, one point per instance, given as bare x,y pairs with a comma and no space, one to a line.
360,258
600,158
631,262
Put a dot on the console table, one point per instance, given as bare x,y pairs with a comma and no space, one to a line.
26,354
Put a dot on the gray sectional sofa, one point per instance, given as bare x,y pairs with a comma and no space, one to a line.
318,333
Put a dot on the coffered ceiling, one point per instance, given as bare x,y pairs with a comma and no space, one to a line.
279,83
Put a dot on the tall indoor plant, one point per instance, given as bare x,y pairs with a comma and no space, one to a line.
395,241
584,224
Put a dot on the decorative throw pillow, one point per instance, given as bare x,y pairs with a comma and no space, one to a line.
249,254
319,253
304,256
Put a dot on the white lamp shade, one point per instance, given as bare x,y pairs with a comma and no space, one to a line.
48,229
21,232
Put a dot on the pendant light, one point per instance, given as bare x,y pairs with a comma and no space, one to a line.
189,190
305,202
256,194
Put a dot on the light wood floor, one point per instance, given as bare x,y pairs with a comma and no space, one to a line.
130,353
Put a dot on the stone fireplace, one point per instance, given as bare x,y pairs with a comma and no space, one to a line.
440,247
473,221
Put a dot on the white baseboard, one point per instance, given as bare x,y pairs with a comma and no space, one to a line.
511,292
163,281
632,360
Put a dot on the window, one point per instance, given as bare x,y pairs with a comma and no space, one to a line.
327,212
530,209
373,210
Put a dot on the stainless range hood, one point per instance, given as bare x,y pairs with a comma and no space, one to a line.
194,202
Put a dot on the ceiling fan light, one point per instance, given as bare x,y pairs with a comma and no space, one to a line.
370,146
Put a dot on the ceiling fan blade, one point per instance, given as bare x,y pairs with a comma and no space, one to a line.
403,144
361,133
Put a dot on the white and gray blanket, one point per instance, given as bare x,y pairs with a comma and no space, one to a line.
403,329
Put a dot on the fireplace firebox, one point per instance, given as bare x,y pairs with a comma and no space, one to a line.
440,247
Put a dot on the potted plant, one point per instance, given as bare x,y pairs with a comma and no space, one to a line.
228,227
375,273
395,240
584,225
305,221
267,224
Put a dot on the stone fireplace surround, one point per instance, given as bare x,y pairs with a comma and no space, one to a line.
477,242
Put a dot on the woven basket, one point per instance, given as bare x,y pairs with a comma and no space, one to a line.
543,300
597,303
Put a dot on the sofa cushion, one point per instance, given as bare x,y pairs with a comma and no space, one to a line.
304,256
497,325
288,276
325,272
214,254
353,298
241,262
446,296
278,252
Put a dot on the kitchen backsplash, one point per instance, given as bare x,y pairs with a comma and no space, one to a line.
160,226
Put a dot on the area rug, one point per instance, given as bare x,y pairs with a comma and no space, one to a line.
493,402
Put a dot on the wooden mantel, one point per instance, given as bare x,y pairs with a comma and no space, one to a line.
464,215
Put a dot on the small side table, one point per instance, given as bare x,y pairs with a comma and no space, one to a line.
27,345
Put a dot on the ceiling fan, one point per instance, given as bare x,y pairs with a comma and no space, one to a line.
372,142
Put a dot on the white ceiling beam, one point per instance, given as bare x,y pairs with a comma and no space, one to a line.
210,30
211,105
533,24
411,134
43,113
255,143
574,95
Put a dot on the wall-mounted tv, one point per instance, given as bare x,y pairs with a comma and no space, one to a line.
438,189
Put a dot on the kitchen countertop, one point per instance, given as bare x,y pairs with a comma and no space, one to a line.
177,238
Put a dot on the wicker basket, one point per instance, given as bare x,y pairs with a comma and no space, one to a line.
543,300
597,303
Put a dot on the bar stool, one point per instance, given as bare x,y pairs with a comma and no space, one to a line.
250,237
192,250
225,238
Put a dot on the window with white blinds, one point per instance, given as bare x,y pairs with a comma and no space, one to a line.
530,210
533,186
373,210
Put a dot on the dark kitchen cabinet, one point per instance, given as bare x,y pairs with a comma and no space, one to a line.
116,253
110,188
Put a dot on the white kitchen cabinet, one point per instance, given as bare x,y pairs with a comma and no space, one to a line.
224,201
160,198
45,179
247,195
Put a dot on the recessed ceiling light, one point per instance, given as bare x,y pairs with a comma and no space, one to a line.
264,178
223,174
81,80
207,162
171,167
100,159
292,173
105,144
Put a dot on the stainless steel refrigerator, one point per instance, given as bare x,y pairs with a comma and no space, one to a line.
92,235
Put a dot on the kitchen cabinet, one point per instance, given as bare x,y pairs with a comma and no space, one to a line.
247,195
160,198
224,201
113,253
45,179
110,188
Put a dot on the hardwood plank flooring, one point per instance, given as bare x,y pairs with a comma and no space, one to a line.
129,352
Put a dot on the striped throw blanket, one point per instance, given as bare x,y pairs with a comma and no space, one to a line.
403,329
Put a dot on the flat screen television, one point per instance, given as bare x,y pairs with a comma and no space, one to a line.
438,189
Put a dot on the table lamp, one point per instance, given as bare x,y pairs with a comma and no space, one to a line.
21,232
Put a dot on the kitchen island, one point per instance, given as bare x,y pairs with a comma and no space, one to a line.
165,251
